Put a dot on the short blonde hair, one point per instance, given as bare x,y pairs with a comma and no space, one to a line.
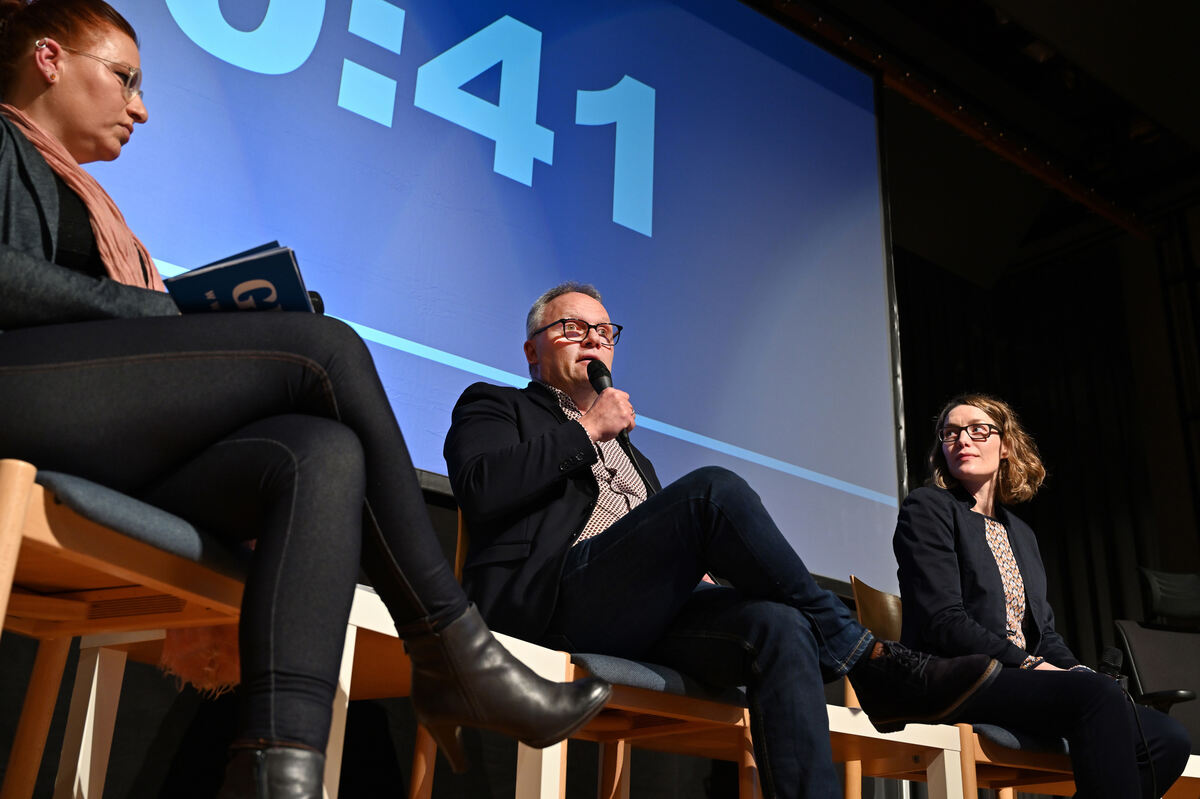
1021,473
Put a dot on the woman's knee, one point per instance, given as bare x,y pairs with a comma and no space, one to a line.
324,453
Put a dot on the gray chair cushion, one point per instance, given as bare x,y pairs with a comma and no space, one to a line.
1022,741
143,522
654,677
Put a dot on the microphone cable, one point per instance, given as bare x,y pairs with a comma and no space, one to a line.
1111,662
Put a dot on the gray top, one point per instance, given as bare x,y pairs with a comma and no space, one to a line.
33,289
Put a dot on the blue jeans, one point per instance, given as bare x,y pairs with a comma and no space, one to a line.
632,591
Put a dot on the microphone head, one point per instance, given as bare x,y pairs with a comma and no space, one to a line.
1111,661
599,376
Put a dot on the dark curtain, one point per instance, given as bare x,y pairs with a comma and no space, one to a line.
1051,341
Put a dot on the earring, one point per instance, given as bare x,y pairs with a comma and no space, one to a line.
53,77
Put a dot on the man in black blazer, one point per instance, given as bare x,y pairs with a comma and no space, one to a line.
575,544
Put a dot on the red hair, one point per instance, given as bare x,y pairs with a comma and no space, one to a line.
74,23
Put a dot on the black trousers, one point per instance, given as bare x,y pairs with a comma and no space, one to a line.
1105,733
267,426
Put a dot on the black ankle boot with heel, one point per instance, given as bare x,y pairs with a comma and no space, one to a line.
273,772
463,677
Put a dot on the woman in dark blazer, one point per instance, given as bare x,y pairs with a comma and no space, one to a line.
972,581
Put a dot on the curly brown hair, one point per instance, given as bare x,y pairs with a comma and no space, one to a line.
1021,473
74,23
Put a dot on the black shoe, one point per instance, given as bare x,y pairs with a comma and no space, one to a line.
275,772
462,676
902,685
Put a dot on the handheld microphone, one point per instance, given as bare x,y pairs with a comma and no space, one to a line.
601,378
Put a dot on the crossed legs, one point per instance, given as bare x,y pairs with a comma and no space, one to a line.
631,591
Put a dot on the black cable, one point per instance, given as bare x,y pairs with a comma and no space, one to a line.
1145,744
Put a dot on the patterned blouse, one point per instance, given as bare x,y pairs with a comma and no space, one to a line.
1014,585
621,489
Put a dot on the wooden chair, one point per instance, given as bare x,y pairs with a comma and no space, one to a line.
78,559
986,761
659,708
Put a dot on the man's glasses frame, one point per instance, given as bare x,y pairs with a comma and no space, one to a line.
582,328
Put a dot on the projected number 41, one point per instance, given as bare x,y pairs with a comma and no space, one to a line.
512,123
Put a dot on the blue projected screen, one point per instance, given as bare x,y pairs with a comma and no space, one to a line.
437,165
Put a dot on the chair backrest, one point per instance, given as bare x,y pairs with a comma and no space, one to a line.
1161,660
878,611
1172,598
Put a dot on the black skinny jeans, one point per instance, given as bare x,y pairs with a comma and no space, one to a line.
267,426
1108,756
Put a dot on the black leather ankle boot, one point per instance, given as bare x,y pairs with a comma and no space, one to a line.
462,676
274,772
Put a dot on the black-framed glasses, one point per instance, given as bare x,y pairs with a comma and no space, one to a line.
978,432
578,329
130,76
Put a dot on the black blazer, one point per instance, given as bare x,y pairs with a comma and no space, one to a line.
951,588
521,473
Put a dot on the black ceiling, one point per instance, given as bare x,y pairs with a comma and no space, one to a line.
1106,96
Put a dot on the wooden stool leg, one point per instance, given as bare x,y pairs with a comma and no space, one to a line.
88,737
613,782
36,715
541,773
1006,793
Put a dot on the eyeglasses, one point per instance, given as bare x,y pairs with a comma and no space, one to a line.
578,329
978,432
131,77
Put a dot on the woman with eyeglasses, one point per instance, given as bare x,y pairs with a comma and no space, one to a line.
267,426
972,581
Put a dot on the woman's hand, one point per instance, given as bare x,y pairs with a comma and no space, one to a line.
1045,665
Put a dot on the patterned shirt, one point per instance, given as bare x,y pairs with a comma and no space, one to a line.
1014,584
621,489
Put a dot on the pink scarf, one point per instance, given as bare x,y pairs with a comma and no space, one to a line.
123,254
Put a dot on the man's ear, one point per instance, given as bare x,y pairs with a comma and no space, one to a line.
530,353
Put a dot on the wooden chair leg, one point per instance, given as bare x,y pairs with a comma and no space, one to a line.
749,786
88,737
852,784
966,742
613,782
16,482
424,764
36,714
1006,793
337,724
